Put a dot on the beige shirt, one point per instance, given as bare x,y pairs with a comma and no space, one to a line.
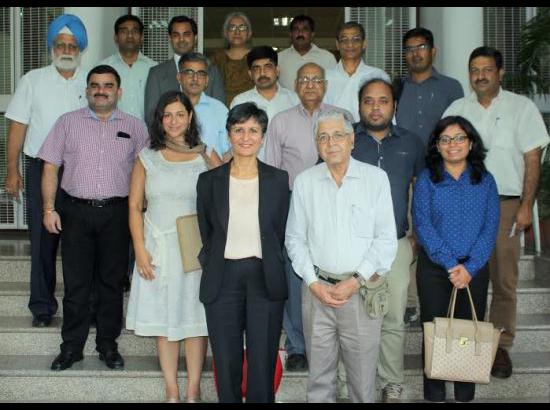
243,229
511,126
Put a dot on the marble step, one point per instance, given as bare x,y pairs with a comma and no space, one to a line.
28,378
533,297
17,268
18,337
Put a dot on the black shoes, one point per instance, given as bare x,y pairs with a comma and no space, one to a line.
112,359
296,363
65,359
41,321
502,366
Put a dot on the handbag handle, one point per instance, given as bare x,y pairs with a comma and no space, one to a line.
451,307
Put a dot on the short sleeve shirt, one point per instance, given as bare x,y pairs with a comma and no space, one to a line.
511,126
42,95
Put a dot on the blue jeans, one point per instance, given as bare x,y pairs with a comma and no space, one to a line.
292,319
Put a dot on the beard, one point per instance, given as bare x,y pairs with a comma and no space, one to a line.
66,62
377,127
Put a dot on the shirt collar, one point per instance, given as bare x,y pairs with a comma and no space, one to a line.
499,96
203,99
465,176
361,128
115,115
59,76
435,76
305,112
139,58
312,50
352,172
340,67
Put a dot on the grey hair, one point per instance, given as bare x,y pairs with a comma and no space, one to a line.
332,115
311,64
193,57
225,26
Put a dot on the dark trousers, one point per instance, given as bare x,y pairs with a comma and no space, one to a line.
43,244
94,250
243,307
434,294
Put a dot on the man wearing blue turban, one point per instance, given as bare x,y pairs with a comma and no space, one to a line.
41,97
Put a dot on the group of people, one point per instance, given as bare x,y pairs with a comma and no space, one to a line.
290,161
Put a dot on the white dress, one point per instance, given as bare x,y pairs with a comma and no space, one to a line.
169,304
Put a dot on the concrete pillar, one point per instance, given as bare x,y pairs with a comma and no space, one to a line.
99,22
457,31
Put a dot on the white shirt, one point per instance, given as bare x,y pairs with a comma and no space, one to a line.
341,229
282,100
133,80
291,60
342,90
41,97
511,126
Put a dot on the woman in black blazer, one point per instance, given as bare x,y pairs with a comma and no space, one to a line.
242,209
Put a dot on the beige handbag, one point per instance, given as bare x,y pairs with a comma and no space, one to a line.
459,350
189,238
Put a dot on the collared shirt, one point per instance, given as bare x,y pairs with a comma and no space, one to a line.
291,60
97,159
42,95
511,126
133,80
290,142
421,104
212,116
282,100
341,229
455,219
343,90
401,155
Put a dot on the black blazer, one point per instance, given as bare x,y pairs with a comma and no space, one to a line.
213,217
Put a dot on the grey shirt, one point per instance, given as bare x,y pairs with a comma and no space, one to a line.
401,155
421,104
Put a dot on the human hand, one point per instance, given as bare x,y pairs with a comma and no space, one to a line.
459,276
322,292
524,217
144,265
52,222
345,289
14,184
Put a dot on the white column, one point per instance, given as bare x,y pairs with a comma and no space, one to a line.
99,22
457,31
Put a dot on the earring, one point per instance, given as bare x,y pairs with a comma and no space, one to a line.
471,145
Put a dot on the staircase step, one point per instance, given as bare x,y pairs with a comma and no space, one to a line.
28,377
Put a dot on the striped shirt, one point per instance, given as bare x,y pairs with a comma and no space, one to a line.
96,156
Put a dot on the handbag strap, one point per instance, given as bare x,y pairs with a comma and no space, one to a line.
452,304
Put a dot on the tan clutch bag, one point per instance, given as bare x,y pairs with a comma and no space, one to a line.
190,241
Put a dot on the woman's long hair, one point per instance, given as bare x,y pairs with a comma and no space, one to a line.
434,160
156,130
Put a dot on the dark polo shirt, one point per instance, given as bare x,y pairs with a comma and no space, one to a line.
421,104
401,154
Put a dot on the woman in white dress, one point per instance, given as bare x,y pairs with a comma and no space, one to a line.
164,300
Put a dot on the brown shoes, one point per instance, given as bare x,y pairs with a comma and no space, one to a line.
502,367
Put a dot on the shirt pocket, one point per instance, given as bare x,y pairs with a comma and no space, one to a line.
362,220
503,135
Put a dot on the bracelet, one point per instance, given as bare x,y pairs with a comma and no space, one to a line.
360,279
48,211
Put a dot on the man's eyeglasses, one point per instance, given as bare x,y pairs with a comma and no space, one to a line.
420,47
484,70
352,40
233,28
64,46
191,73
446,140
306,80
336,137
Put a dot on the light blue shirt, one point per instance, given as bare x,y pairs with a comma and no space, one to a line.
212,116
132,82
341,229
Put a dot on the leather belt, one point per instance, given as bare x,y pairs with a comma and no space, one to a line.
98,203
331,278
508,197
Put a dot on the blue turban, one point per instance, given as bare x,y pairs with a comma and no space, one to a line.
74,24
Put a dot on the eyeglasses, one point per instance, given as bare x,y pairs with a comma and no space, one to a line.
352,40
233,28
420,47
306,81
64,46
484,70
459,139
336,137
191,73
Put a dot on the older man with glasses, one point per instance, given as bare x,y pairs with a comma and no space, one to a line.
290,145
341,238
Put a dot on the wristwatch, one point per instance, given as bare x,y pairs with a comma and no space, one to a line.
360,279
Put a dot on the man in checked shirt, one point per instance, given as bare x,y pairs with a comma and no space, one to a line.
97,146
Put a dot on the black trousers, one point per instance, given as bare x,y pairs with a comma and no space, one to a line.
243,307
434,294
43,244
94,247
